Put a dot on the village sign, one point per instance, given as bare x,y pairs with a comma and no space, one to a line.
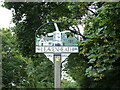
57,46
58,43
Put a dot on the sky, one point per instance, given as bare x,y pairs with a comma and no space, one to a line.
5,17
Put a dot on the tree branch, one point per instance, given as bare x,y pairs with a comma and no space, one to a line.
90,10
76,32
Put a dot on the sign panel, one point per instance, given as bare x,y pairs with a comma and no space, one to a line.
64,56
50,56
57,49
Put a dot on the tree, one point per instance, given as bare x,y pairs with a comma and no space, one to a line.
99,49
19,71
102,44
13,64
77,70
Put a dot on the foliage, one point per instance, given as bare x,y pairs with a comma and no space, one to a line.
99,49
12,61
77,70
102,46
98,61
21,72
40,75
111,79
68,84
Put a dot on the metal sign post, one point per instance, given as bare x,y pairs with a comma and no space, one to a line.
57,71
57,49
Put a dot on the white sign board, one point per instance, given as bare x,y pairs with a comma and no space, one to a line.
57,49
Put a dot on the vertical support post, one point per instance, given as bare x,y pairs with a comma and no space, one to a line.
57,71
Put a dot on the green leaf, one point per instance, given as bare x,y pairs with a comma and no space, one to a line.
92,60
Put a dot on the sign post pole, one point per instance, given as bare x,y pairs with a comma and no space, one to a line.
57,72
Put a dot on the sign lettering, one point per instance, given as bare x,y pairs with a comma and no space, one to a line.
56,49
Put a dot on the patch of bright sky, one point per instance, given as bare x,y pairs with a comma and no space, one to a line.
5,17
